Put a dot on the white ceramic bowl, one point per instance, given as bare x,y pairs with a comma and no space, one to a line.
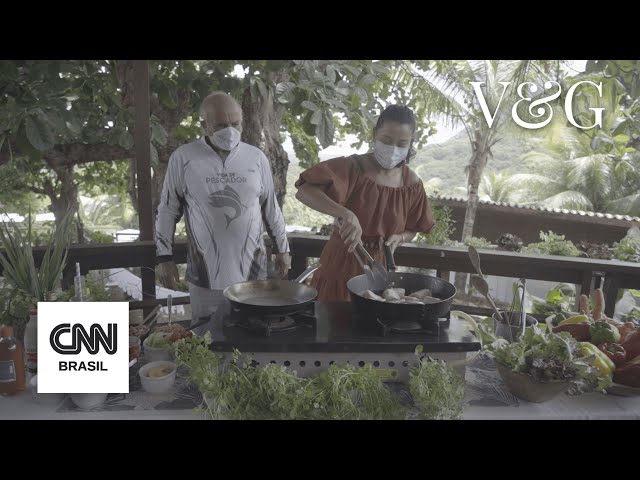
153,354
86,401
157,385
44,398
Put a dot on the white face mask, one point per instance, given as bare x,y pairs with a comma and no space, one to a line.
388,156
225,139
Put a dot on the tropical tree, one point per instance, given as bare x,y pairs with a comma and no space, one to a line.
571,175
621,137
595,169
56,116
316,102
497,187
104,210
447,91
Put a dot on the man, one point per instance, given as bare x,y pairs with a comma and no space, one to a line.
224,187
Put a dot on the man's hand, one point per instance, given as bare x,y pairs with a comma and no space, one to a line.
283,264
167,273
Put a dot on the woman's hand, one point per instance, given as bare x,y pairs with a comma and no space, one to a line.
350,230
394,241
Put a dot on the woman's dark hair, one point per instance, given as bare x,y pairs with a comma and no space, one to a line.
404,116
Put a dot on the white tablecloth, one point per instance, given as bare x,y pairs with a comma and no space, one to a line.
485,399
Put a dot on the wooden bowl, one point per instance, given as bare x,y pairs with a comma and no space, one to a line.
524,386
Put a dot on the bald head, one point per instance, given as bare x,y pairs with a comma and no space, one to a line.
219,110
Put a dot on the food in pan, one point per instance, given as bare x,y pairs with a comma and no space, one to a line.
421,293
397,295
428,299
372,296
409,299
391,294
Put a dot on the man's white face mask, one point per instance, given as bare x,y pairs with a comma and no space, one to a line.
388,156
225,139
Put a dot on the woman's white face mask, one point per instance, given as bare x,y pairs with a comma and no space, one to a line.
388,156
225,139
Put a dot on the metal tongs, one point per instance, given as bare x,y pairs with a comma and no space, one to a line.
150,321
520,285
376,273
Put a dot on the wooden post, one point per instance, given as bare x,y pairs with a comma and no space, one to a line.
444,275
610,291
69,273
142,143
598,279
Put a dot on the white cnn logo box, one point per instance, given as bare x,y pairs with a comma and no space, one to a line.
83,347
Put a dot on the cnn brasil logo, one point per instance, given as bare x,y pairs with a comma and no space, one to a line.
82,347
91,340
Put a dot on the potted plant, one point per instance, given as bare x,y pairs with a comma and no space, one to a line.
25,284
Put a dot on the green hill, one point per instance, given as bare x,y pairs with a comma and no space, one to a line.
448,160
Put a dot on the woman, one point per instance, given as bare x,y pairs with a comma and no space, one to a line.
377,196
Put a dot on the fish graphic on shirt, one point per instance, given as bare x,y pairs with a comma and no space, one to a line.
227,197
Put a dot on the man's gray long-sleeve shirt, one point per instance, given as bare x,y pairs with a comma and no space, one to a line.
226,205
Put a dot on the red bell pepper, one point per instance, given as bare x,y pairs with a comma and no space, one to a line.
614,351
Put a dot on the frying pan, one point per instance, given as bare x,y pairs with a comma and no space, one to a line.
391,313
272,297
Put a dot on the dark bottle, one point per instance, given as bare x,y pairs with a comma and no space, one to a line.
12,376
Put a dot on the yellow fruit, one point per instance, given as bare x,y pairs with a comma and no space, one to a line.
576,319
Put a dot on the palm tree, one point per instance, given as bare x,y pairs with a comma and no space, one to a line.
106,210
571,174
627,205
448,94
497,187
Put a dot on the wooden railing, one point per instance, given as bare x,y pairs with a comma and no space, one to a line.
585,273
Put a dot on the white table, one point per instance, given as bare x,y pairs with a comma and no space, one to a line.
23,407
488,399
485,397
591,406
584,407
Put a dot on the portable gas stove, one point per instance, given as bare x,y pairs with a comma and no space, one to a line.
311,340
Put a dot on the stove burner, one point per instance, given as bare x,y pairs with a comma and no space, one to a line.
265,325
412,326
406,327
277,322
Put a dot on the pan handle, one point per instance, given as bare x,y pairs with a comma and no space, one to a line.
391,263
306,273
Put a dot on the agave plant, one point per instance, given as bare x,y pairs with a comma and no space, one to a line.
18,264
